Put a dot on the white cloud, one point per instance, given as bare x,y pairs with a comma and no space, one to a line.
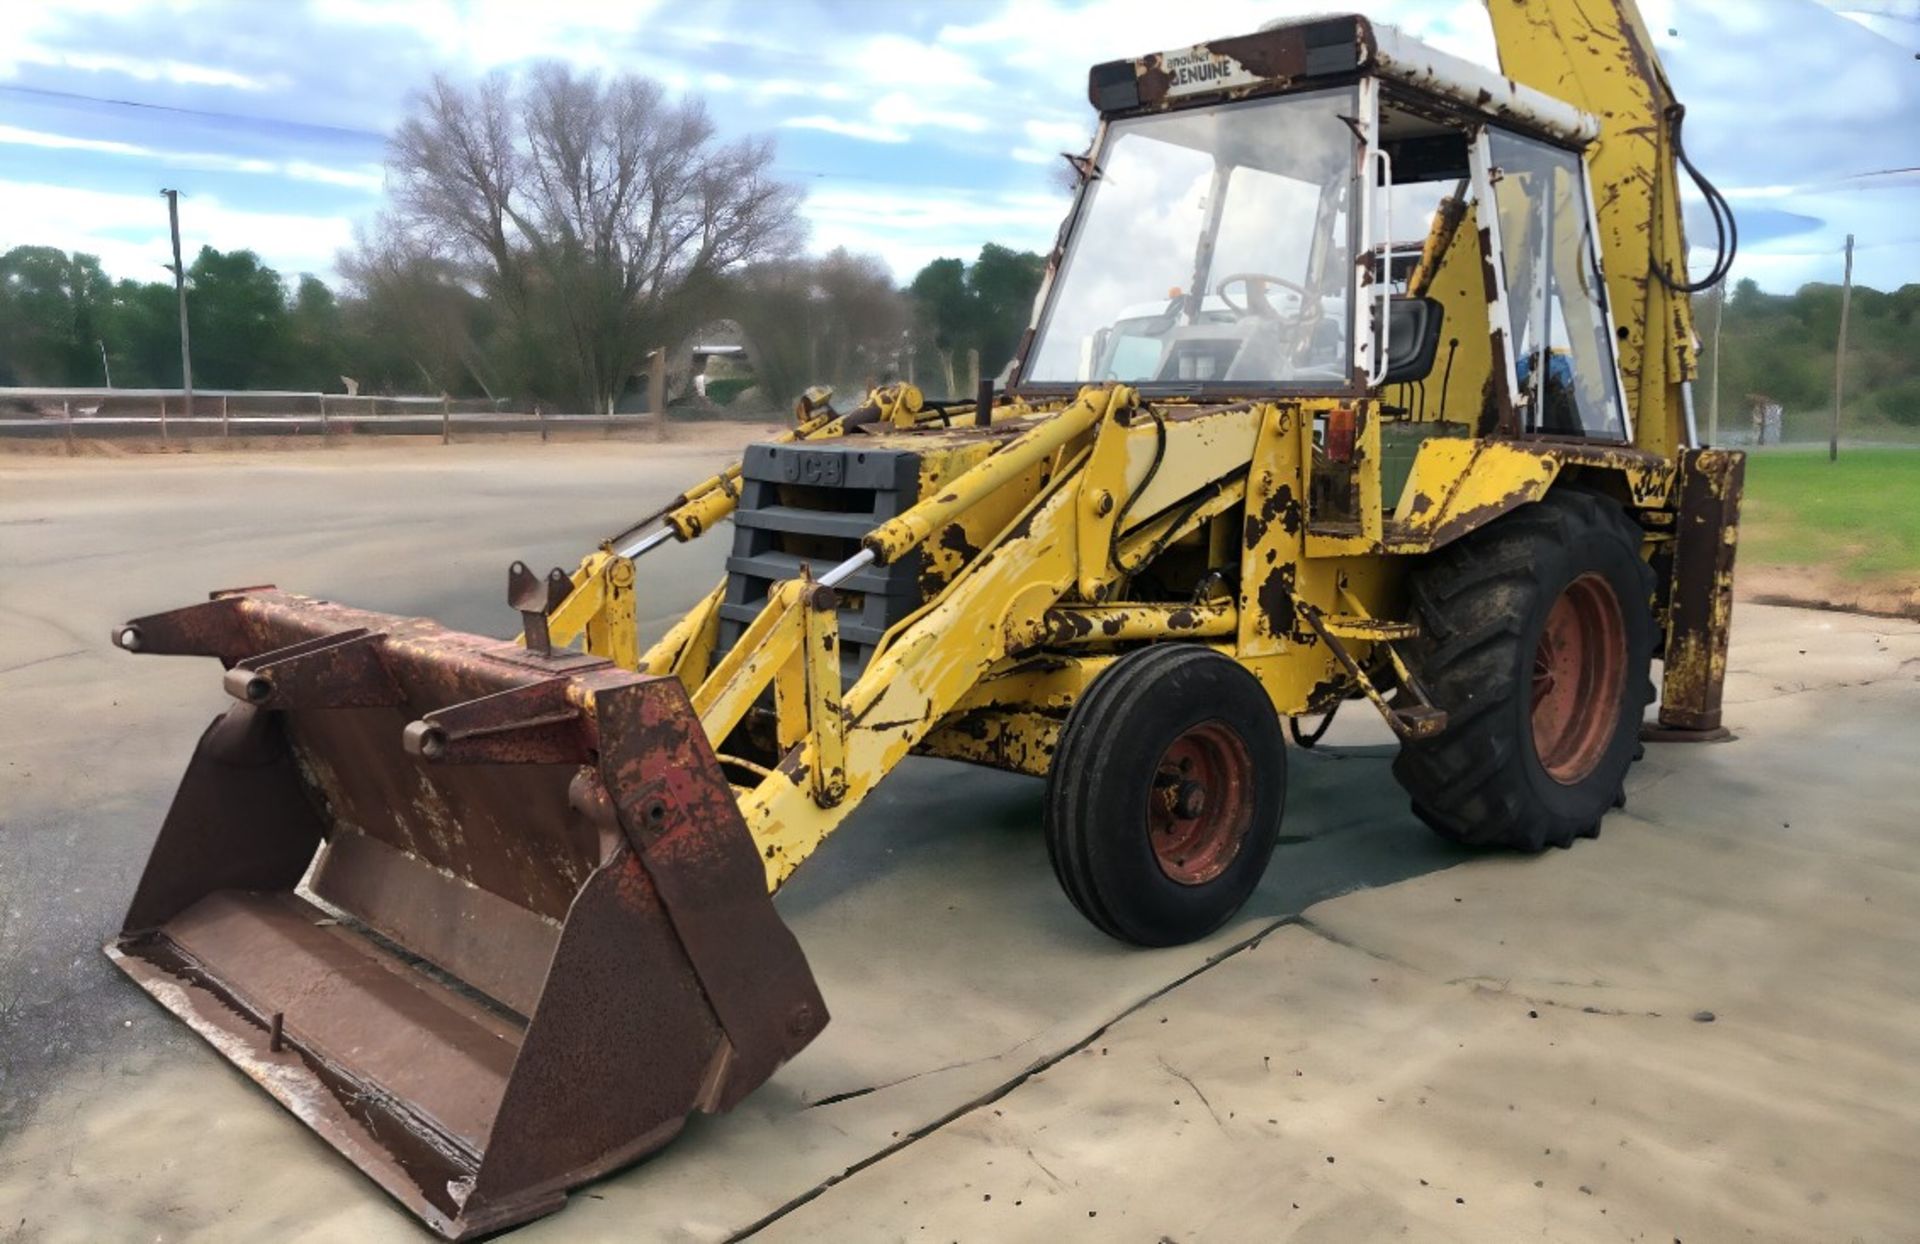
911,227
484,34
864,130
901,110
144,69
1046,140
781,88
15,136
366,177
931,67
129,231
893,118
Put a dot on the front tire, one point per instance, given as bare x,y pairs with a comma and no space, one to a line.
1537,637
1165,795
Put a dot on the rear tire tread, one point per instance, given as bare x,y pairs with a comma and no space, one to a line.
1478,602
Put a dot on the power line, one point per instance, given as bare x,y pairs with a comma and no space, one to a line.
76,96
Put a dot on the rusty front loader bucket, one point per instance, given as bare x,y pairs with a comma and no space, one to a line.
486,918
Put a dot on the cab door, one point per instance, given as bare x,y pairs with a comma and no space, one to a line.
1560,373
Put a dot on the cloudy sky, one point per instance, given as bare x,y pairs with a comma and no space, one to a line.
919,129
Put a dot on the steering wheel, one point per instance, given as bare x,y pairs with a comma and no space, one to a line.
1256,283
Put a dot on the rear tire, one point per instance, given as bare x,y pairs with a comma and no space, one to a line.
1537,637
1165,796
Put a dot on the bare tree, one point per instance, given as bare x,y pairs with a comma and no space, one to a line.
414,316
598,213
836,320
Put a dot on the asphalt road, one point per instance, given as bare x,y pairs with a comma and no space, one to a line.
1488,1046
93,740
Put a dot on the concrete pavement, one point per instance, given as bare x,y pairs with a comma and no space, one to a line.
995,1068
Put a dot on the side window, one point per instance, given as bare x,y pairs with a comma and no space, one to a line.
1563,353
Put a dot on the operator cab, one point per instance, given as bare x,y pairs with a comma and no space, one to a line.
1301,212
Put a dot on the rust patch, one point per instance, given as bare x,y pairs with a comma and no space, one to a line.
1280,506
1276,598
1279,54
1288,508
1326,695
955,538
1153,79
1489,278
1505,417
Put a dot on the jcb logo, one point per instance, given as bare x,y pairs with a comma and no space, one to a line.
819,470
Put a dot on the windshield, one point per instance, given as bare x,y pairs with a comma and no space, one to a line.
1213,246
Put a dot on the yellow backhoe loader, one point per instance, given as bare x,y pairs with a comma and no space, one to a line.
1359,373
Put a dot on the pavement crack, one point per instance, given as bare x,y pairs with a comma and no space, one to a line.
58,656
1043,1168
1503,986
1182,1076
1320,930
834,1098
1037,1067
1781,693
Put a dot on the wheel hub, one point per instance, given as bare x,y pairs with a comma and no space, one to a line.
1201,803
1579,673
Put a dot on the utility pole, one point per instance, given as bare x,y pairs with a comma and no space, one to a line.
1840,356
180,288
104,365
1713,382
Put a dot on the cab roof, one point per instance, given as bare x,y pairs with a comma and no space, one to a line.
1296,55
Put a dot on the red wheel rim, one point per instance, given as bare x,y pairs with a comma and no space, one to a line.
1200,805
1578,672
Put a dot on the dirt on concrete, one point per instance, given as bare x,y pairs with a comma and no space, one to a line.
1448,1027
1819,587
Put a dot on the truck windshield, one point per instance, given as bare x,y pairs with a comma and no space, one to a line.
1233,222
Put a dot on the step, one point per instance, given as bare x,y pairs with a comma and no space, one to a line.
1419,721
806,522
1357,626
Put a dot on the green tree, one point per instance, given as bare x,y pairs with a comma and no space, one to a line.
981,306
314,343
237,311
143,335
1781,347
51,311
943,310
1002,283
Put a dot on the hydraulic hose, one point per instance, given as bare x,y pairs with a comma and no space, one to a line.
1726,231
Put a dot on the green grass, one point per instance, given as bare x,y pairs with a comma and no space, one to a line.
1859,516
